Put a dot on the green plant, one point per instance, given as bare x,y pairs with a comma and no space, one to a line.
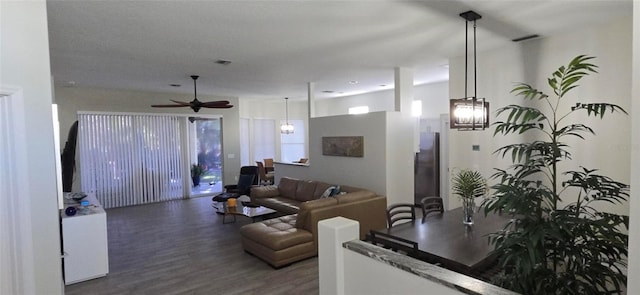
197,170
468,184
549,248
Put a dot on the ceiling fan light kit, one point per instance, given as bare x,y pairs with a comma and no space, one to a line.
469,113
195,104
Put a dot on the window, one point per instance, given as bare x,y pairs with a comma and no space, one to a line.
416,108
264,139
292,145
358,110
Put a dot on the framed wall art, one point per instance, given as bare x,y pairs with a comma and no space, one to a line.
343,146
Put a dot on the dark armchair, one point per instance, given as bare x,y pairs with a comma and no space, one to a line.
248,177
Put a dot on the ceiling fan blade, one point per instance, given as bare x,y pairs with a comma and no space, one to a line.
215,103
226,106
186,104
168,106
195,104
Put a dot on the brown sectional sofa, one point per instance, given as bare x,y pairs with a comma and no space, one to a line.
284,240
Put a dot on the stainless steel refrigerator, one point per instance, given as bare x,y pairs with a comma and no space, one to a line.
427,167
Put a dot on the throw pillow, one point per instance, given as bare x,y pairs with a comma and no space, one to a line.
327,193
335,191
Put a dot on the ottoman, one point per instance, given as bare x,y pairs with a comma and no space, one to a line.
277,241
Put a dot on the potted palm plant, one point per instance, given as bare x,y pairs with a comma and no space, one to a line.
468,184
558,241
196,172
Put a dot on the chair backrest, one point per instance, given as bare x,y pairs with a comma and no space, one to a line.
244,183
431,205
398,212
268,162
261,171
252,170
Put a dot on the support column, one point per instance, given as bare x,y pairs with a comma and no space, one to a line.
311,97
331,234
404,100
311,112
403,90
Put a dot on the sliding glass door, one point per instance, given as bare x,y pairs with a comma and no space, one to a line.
133,159
206,138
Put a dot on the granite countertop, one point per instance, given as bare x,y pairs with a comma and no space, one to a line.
426,270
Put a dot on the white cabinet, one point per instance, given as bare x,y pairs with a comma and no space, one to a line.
84,241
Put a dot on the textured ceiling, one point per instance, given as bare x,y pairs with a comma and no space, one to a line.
276,47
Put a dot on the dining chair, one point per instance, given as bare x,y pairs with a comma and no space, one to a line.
393,243
400,212
265,178
268,164
431,205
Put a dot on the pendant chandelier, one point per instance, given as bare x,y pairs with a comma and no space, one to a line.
286,128
469,112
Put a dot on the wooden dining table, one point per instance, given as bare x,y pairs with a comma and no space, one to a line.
444,239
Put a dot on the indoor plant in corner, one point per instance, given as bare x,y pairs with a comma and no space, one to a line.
196,171
468,184
558,242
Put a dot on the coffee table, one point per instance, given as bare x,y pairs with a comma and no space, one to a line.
240,209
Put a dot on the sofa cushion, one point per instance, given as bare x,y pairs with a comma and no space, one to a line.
288,187
264,191
305,207
305,190
280,204
350,189
277,233
355,196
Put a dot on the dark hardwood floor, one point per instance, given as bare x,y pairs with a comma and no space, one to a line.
182,247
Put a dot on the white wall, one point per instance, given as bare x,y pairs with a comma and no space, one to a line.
434,96
364,275
387,165
70,100
400,155
532,62
367,172
634,212
24,60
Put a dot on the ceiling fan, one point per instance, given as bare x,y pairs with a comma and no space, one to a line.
195,104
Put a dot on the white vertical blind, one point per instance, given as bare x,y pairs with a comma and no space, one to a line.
245,158
264,139
292,145
130,159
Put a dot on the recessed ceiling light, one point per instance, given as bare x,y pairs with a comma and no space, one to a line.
175,85
353,82
383,85
222,62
